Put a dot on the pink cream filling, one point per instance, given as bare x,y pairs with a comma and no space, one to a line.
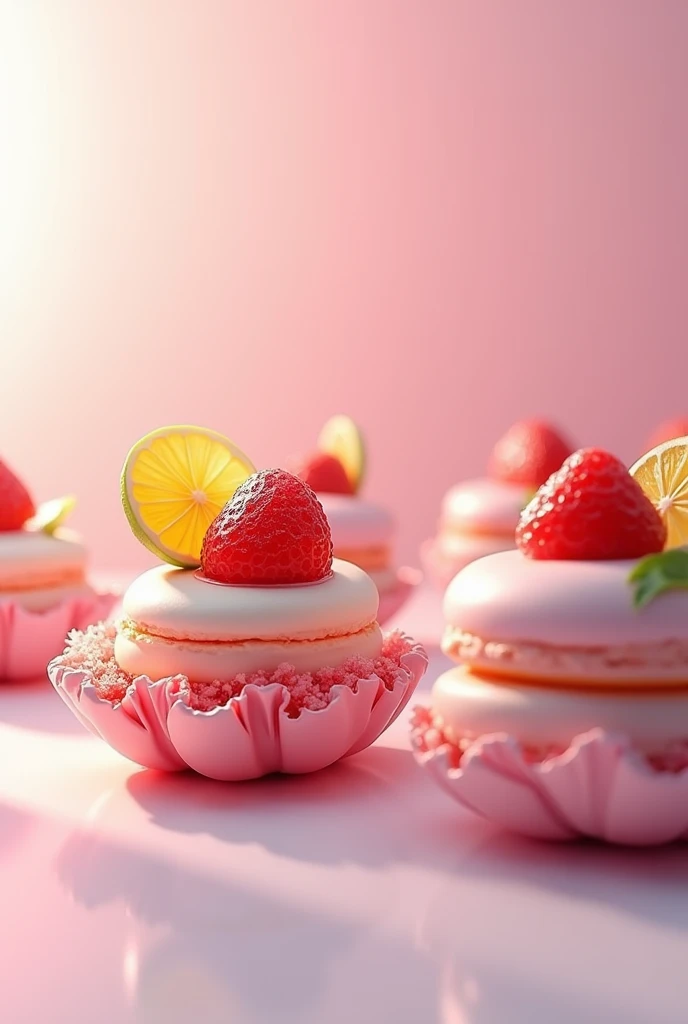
43,578
92,651
431,737
671,655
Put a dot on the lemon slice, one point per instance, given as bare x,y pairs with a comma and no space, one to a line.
174,482
342,438
663,475
51,514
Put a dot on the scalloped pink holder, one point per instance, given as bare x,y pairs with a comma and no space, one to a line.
600,787
250,736
28,640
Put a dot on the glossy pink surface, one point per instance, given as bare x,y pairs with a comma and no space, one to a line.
437,216
358,893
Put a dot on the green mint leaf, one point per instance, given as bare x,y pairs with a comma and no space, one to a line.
656,574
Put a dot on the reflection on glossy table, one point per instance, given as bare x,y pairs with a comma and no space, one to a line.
358,894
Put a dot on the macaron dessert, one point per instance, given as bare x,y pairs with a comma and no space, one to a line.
479,517
567,711
44,591
362,532
250,649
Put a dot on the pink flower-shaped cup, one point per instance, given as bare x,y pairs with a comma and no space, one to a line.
28,639
254,733
599,787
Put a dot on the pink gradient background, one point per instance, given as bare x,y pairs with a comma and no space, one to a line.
436,215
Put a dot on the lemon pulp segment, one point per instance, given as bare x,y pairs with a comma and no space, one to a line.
174,483
663,475
51,514
341,438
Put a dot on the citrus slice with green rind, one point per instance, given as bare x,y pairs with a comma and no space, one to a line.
663,475
342,438
51,514
174,483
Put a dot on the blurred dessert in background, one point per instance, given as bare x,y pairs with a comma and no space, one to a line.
479,517
668,430
44,590
363,532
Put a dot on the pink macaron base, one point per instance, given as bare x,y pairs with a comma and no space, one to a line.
599,787
394,599
254,734
28,639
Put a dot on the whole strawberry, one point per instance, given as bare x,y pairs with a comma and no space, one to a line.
325,474
273,531
16,505
529,453
591,509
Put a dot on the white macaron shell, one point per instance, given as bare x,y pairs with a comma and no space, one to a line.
31,558
176,604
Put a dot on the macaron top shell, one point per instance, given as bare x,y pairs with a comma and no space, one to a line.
176,604
510,598
484,506
22,552
356,523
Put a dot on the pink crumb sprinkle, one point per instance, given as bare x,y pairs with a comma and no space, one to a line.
430,736
92,651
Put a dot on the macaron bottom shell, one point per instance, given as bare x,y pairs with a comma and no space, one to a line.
545,718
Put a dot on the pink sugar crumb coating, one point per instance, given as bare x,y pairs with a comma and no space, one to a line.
430,737
92,651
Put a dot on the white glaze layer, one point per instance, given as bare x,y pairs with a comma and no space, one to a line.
174,603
